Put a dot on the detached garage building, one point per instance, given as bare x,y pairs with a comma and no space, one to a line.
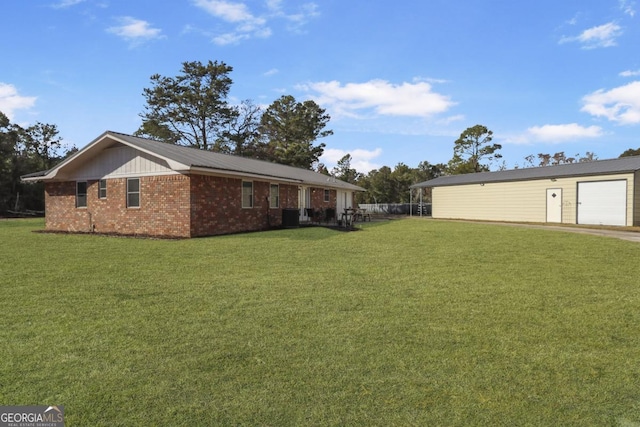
603,192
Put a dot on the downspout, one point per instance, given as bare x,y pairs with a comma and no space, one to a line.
268,216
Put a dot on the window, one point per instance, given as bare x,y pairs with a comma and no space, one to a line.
247,194
274,196
102,189
81,194
327,195
133,192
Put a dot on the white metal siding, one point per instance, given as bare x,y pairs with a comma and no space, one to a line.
602,203
121,161
523,201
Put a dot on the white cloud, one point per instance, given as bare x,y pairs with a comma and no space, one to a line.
229,38
11,100
448,120
384,98
564,132
227,11
601,36
274,5
271,72
572,21
620,104
361,160
628,7
247,25
63,4
630,73
302,17
135,30
555,134
429,80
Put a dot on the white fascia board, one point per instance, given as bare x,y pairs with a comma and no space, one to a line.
53,172
32,178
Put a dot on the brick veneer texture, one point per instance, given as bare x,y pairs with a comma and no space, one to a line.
317,199
171,206
164,207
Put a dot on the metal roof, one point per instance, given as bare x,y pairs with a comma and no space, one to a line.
195,160
597,167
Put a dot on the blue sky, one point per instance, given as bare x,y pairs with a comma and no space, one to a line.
401,80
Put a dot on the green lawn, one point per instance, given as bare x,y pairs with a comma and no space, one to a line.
407,322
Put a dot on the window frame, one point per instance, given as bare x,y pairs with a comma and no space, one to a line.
131,193
274,201
102,189
78,193
327,195
242,195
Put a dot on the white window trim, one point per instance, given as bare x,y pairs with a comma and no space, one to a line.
86,197
273,205
327,195
242,195
100,181
134,192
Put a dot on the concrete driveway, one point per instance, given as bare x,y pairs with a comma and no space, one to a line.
632,236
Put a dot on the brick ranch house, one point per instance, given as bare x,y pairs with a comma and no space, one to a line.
122,184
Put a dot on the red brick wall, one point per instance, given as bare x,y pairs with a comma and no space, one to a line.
288,197
171,205
317,199
60,208
216,206
164,207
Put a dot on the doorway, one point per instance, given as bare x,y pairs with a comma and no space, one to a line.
554,204
602,202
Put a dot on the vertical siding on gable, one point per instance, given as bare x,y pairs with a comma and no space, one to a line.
523,201
121,161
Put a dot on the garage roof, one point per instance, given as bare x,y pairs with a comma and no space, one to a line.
598,167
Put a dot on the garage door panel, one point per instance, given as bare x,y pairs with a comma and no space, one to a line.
602,202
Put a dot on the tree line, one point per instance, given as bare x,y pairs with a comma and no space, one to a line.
193,109
473,152
24,151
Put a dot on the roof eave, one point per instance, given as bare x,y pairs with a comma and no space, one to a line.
536,178
93,146
236,173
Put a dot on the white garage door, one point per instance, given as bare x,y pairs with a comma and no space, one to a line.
602,203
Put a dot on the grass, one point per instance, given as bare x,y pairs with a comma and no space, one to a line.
407,322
